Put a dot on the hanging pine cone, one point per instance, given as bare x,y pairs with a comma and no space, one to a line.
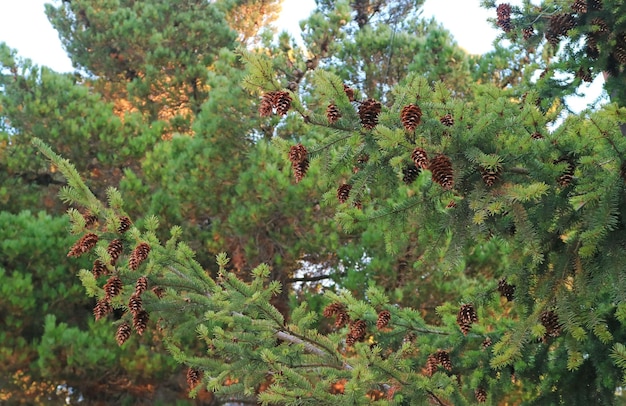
343,192
139,254
357,332
193,377
595,4
266,107
332,114
481,395
125,224
507,291
339,310
368,112
282,102
528,32
490,175
158,291
568,175
486,343
135,304
83,245
550,321
442,173
431,364
102,308
466,316
298,155
420,158
559,25
122,334
113,287
584,74
536,135
140,321
90,219
443,357
383,319
411,117
349,92
99,269
141,285
360,162
447,120
619,52
115,249
579,6
503,12
602,26
409,174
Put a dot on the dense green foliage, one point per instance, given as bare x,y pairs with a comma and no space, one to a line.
455,237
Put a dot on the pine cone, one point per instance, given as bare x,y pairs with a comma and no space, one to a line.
466,316
332,114
431,364
135,304
504,17
443,357
83,245
298,155
99,269
506,290
349,92
90,219
442,172
339,310
125,224
368,112
343,192
595,4
528,32
490,175
447,120
559,25
619,52
140,321
579,6
420,158
139,254
122,334
603,27
358,330
487,343
568,175
193,377
115,249
550,321
282,102
481,395
102,308
113,287
536,135
333,309
383,319
141,285
411,117
409,174
266,106
158,291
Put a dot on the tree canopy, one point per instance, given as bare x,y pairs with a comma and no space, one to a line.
369,216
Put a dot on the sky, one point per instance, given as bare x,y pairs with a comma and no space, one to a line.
24,26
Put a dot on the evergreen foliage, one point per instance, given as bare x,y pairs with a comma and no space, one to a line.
475,250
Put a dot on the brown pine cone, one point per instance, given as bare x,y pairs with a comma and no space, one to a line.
83,245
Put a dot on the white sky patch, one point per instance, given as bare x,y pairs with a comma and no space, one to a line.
25,27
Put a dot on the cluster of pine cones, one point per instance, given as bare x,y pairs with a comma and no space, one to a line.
114,285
